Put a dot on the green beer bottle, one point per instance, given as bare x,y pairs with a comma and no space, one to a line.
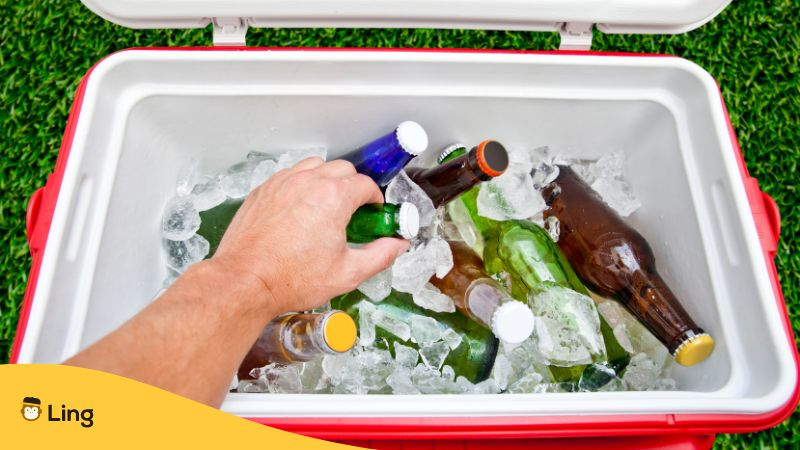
528,256
369,222
474,356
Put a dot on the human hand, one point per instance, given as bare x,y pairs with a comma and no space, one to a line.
289,235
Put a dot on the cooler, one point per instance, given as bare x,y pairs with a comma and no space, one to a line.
139,114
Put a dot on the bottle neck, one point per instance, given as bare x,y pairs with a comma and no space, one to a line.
483,297
445,182
381,159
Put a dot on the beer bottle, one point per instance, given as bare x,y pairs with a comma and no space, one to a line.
368,223
474,356
386,156
481,298
457,175
614,259
300,337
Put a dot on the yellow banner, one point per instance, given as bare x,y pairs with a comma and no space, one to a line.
53,406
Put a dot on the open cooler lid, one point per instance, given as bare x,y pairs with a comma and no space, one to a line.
573,18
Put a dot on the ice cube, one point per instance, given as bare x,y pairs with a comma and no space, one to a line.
378,287
510,196
617,194
333,364
665,384
635,337
312,377
502,371
290,158
366,324
392,324
251,387
412,270
257,156
182,254
180,220
461,220
405,356
452,338
207,195
615,385
442,256
262,172
431,298
279,378
376,366
430,381
555,387
425,329
606,177
487,386
544,168
466,386
567,326
553,227
433,355
402,189
448,373
235,180
525,384
641,373
188,176
400,381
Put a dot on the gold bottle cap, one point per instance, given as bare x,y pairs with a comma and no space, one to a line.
339,331
694,350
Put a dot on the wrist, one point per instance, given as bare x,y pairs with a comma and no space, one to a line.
235,293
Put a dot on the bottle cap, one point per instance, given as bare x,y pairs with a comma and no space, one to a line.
449,151
694,350
408,220
512,322
412,137
492,158
339,331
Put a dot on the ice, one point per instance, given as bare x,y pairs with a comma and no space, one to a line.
425,329
412,270
567,327
262,172
405,356
392,324
400,381
402,189
487,386
290,158
279,378
376,366
606,177
641,373
366,324
430,381
525,384
510,196
502,371
461,220
635,337
448,373
207,195
544,168
555,387
614,385
235,181
442,256
251,387
452,338
431,298
378,287
433,355
333,364
181,220
182,254
665,384
188,176
312,376
553,227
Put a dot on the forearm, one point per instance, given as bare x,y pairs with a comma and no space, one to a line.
191,339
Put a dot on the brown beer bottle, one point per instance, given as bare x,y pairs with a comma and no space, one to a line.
615,260
300,337
447,181
482,299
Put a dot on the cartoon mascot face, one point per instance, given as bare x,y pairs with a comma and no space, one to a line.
31,408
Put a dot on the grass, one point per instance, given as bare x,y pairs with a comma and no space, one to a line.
751,49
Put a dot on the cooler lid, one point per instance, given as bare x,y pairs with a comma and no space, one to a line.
576,17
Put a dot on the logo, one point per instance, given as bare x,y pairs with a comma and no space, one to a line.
32,410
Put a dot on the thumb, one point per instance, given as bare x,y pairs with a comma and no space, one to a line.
374,257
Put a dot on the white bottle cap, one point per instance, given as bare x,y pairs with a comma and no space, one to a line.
512,322
412,137
408,220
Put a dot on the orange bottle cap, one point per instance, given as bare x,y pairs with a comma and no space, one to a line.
339,331
694,350
492,158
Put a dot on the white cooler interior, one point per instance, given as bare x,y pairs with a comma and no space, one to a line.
146,112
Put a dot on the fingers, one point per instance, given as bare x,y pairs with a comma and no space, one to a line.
307,164
359,190
364,262
338,168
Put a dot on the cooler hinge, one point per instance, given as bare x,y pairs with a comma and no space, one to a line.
576,36
230,31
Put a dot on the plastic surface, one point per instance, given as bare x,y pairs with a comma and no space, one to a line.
661,111
612,16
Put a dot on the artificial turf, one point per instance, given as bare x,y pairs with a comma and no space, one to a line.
751,48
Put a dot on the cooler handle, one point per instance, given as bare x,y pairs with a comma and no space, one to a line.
32,213
766,215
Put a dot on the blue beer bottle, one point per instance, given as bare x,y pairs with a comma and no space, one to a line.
386,156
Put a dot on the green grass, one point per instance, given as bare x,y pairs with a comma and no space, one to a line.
751,49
